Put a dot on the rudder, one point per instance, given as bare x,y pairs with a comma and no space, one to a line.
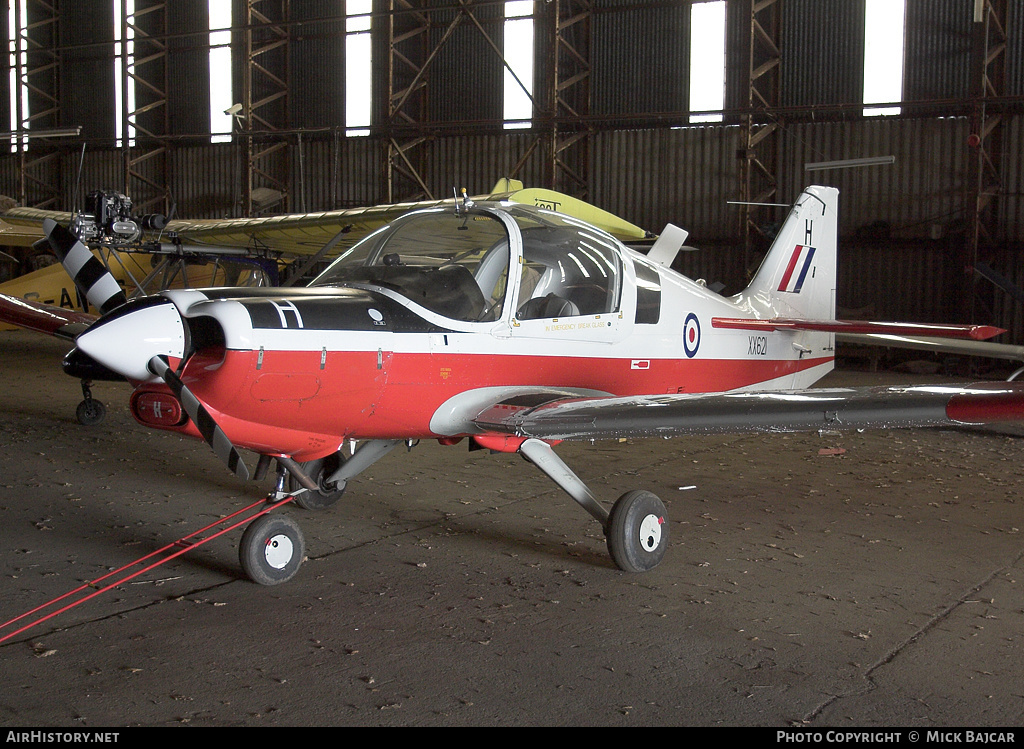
798,275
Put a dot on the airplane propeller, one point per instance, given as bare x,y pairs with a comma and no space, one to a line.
204,422
91,277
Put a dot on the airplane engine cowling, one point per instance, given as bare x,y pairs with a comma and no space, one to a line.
126,340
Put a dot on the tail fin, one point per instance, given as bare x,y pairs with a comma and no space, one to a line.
798,275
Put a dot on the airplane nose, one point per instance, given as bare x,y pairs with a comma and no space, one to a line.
127,339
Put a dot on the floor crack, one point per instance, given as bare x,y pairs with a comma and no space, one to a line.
933,622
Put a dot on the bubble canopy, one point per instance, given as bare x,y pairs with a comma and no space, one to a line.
459,264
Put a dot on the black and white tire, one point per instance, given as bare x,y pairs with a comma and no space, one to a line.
637,532
272,549
318,470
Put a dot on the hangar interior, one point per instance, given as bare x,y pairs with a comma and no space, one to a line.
862,578
333,104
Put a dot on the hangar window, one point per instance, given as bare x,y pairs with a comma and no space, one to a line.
518,33
707,61
883,55
124,71
17,27
221,95
358,64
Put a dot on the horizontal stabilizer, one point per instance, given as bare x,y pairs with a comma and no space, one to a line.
973,332
1007,351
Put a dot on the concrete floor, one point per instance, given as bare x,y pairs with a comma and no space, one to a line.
836,580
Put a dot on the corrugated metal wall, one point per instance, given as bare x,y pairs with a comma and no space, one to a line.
901,223
643,57
938,49
822,42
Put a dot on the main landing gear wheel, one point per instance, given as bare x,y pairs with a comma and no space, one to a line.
637,533
272,549
318,470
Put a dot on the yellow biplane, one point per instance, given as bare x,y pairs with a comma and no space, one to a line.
229,252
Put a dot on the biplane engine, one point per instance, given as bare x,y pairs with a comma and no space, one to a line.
107,220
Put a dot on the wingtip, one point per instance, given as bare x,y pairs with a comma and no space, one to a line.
984,332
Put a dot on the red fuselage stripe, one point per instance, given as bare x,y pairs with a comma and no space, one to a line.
289,405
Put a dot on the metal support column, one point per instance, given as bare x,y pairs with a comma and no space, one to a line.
984,182
568,147
36,100
410,54
265,85
142,52
759,129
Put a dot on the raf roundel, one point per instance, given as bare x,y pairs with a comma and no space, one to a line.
691,335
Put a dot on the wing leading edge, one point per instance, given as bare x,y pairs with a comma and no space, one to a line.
44,318
740,412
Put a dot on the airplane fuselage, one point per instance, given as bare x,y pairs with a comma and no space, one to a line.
442,314
301,373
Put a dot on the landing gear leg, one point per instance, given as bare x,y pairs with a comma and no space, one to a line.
365,456
635,530
273,547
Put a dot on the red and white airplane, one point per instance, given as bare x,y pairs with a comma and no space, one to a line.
509,325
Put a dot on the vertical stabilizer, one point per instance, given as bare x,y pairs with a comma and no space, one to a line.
797,278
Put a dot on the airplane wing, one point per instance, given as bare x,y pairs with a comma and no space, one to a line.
19,235
308,233
742,412
44,318
294,234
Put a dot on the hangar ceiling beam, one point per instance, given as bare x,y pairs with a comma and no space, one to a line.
265,83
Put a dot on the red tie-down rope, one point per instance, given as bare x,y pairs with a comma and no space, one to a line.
183,545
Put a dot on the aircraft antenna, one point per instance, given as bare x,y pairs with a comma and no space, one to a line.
78,186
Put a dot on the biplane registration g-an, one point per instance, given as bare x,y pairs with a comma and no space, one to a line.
508,325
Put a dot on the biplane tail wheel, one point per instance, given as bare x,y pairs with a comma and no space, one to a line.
271,550
318,470
637,533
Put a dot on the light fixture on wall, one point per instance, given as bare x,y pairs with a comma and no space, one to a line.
818,166
56,132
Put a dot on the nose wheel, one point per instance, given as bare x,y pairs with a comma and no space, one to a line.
637,533
90,411
272,549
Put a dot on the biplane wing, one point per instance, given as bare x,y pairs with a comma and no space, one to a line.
301,234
